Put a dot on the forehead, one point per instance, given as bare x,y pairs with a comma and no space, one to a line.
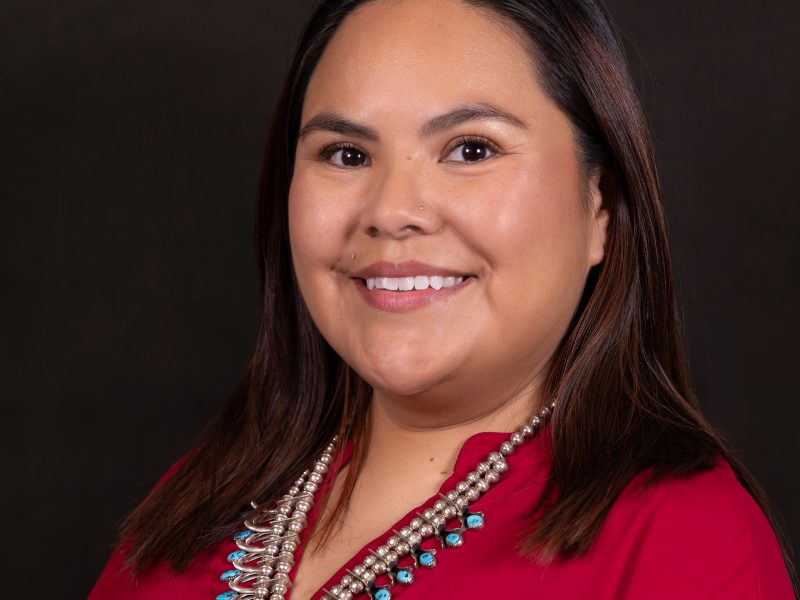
418,52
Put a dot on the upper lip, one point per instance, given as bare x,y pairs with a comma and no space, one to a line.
407,268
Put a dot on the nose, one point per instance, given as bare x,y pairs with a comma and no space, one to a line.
399,205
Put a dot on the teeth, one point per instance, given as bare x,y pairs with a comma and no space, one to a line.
406,284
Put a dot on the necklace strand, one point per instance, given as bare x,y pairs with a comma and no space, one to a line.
267,545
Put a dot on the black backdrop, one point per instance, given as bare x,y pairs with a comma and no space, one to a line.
130,139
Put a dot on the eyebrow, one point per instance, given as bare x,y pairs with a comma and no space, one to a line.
331,121
466,113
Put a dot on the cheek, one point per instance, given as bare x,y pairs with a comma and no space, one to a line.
317,222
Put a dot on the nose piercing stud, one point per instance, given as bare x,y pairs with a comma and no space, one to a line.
421,207
353,256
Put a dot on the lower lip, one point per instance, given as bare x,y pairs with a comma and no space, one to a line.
405,301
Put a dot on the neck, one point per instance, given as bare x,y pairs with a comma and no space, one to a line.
434,438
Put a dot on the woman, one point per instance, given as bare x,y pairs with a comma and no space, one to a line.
469,346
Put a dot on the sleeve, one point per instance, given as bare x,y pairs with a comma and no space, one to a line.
705,538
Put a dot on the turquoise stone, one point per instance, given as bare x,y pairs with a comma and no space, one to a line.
474,521
453,540
426,559
383,595
242,535
226,596
405,576
229,574
236,555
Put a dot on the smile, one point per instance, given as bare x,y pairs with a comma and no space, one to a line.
407,284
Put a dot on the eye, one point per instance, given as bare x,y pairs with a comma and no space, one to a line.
345,156
471,149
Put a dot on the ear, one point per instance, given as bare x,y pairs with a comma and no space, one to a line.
598,221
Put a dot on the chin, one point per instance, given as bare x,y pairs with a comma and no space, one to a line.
401,382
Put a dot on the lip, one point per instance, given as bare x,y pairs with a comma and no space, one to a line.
390,301
407,268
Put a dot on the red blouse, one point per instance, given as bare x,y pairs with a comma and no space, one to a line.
696,537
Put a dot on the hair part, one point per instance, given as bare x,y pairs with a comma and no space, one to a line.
626,404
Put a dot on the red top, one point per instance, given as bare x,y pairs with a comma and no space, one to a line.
696,537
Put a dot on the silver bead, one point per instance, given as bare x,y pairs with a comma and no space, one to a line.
473,476
492,476
289,546
336,589
403,548
379,567
438,521
391,556
405,532
359,570
494,457
369,560
310,487
483,467
283,567
278,529
439,505
451,495
315,478
266,571
506,448
449,511
356,587
527,430
369,575
382,551
326,459
346,580
321,468
414,537
462,487
296,526
545,412
500,466
535,422
393,541
329,449
426,530
345,595
302,506
261,592
483,486
415,523
517,439
428,513
271,550
276,597
279,588
472,494
293,491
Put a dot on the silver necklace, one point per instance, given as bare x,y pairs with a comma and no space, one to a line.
267,545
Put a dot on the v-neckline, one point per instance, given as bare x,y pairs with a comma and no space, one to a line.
473,451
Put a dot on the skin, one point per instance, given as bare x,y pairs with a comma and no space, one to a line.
526,221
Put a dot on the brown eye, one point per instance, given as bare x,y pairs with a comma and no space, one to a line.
472,150
346,156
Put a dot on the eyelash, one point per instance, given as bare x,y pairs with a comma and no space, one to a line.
474,139
327,151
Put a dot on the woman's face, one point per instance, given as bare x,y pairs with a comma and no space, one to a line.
429,151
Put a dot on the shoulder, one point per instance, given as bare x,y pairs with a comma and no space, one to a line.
700,536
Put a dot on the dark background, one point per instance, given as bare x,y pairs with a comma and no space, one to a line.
130,141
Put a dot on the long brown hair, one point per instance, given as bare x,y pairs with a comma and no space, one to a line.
625,399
